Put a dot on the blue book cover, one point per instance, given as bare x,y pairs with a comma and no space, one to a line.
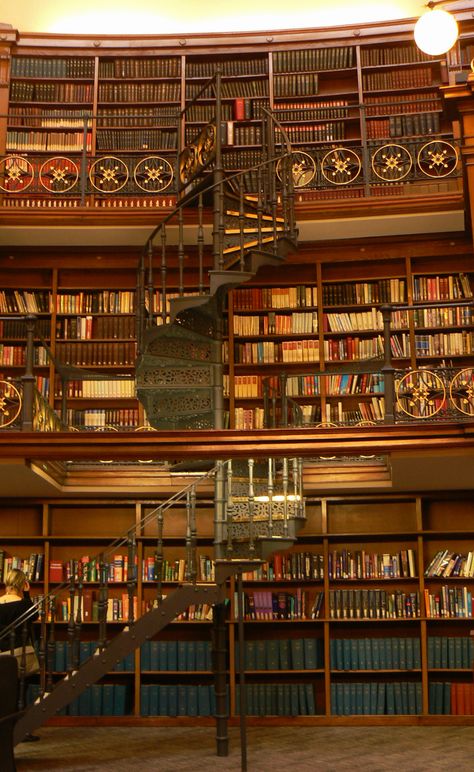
297,653
171,655
361,654
144,700
355,665
376,652
310,704
96,700
120,700
261,654
145,660
346,699
182,699
390,698
409,653
154,658
416,654
108,700
411,698
302,700
359,698
443,654
191,655
153,700
333,693
368,654
182,647
200,662
404,687
204,702
273,654
381,699
451,652
284,657
430,651
163,703
192,700
60,661
310,651
396,654
294,700
388,653
347,653
85,703
172,700
339,654
397,695
374,695
366,710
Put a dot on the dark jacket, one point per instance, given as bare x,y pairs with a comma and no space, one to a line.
9,613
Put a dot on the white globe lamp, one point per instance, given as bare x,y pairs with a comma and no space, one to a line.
436,32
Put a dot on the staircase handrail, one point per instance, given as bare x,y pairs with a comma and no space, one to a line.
118,542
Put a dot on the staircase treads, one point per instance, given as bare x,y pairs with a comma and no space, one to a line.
254,216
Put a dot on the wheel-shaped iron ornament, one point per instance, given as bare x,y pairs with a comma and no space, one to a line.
16,174
108,174
420,394
391,162
302,166
59,174
437,158
188,164
206,145
461,391
341,166
153,174
10,403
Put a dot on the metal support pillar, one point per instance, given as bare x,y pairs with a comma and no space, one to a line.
28,378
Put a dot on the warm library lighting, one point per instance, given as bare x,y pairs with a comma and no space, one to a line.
436,31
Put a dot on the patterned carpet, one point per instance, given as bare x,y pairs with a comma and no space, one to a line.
376,749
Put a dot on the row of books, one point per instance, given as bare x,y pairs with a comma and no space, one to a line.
307,111
248,419
269,352
40,141
176,570
119,388
361,564
244,386
254,298
355,321
314,132
117,608
281,654
25,301
296,85
97,700
16,328
449,603
275,324
177,700
32,565
345,384
241,159
89,327
265,605
15,356
365,293
156,67
407,53
314,59
422,125
376,698
174,656
371,411
277,699
118,418
239,67
88,353
448,563
30,91
391,104
52,67
442,287
138,139
374,604
156,115
96,302
353,347
453,652
140,92
48,118
61,658
451,698
116,569
444,344
457,316
388,653
408,77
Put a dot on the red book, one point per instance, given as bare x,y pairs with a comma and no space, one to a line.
56,573
239,109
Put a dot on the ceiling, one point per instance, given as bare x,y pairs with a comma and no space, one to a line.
157,17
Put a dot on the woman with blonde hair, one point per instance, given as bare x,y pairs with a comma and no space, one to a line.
13,605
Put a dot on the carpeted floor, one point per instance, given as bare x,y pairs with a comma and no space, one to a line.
376,749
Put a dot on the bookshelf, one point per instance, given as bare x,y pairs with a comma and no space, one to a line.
340,626
308,330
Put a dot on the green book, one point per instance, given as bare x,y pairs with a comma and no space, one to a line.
347,653
204,703
451,652
108,700
402,649
388,653
430,647
120,700
390,698
85,703
355,654
411,697
310,648
294,700
310,704
191,655
171,655
366,702
273,654
155,659
297,653
443,653
261,654
153,700
182,691
172,700
182,648
374,696
144,700
376,652
359,698
361,655
193,709
302,700
284,653
333,693
409,653
96,700
145,660
163,707
381,699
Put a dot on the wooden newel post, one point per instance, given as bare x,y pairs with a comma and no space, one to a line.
28,379
387,368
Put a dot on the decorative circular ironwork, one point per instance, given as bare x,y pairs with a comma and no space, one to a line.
437,158
153,174
341,166
206,144
420,394
59,174
10,403
461,391
303,168
108,174
391,163
188,164
16,174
